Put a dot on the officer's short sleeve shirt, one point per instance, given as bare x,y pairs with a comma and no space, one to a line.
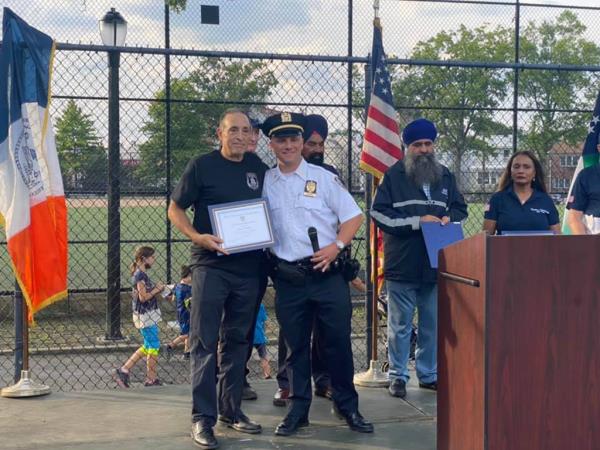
585,196
311,196
538,213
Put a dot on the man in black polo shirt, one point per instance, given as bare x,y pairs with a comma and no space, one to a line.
224,287
584,202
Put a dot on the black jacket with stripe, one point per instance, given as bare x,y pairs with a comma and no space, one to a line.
397,209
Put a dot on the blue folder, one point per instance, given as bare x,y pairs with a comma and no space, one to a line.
438,236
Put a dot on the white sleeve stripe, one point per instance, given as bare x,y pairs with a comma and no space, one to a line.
419,202
393,223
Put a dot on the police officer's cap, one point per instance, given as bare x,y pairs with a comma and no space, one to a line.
283,124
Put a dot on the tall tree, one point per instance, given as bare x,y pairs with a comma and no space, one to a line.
200,98
82,157
548,92
472,91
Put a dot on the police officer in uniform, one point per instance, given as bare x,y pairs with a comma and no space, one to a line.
224,287
308,283
314,136
584,203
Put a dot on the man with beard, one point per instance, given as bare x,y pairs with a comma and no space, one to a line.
415,190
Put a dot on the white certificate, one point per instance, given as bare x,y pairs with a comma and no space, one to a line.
242,226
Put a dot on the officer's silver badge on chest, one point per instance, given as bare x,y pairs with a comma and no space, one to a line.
252,181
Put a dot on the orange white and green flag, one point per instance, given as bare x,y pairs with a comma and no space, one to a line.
32,203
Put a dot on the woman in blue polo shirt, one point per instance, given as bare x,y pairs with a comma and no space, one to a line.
521,203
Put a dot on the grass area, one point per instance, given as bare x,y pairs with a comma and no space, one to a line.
147,223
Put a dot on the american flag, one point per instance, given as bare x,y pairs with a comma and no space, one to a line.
381,143
589,155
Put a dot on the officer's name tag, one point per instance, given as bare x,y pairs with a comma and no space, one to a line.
310,188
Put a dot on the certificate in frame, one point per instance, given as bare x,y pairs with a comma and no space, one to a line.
243,226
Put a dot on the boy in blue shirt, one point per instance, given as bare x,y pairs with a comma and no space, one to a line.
260,341
182,293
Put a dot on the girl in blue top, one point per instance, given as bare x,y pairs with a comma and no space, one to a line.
521,203
146,315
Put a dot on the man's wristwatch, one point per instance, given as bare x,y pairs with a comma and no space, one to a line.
340,245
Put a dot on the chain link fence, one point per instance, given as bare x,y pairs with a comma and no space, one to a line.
267,57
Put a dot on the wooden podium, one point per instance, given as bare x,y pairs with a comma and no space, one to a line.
519,344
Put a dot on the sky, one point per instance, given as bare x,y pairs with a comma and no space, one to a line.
272,26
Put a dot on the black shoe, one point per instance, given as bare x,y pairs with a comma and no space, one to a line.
430,386
203,436
355,421
121,378
281,397
290,424
398,388
243,424
248,393
324,392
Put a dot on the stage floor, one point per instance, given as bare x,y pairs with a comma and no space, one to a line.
159,418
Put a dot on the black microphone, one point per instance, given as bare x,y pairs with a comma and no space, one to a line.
314,240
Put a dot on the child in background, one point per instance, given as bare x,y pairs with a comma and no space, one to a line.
182,294
146,315
260,341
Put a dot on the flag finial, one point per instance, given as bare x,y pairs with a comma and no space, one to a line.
376,9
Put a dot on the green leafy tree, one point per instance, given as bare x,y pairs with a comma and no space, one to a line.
472,91
549,92
201,98
177,5
83,159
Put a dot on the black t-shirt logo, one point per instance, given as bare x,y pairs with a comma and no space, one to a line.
252,181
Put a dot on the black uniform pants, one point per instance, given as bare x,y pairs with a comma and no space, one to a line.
318,363
326,300
222,309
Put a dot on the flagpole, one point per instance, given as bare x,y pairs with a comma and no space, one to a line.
25,386
373,377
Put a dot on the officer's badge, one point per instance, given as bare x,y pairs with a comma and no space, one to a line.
310,188
252,181
286,117
445,192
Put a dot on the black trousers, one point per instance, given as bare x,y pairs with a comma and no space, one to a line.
326,301
320,375
221,310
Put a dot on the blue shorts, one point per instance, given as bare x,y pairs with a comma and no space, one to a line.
151,340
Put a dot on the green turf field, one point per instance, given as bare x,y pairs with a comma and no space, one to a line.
142,222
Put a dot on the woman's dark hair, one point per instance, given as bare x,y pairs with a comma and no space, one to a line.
140,253
186,271
537,183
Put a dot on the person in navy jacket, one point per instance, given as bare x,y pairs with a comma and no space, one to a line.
521,202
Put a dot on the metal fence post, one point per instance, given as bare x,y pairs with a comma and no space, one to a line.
113,300
516,86
19,342
168,137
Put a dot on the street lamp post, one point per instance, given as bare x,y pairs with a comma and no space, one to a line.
113,29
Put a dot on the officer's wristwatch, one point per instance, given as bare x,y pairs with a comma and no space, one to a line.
340,245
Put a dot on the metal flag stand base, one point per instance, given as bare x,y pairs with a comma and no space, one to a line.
25,387
373,377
